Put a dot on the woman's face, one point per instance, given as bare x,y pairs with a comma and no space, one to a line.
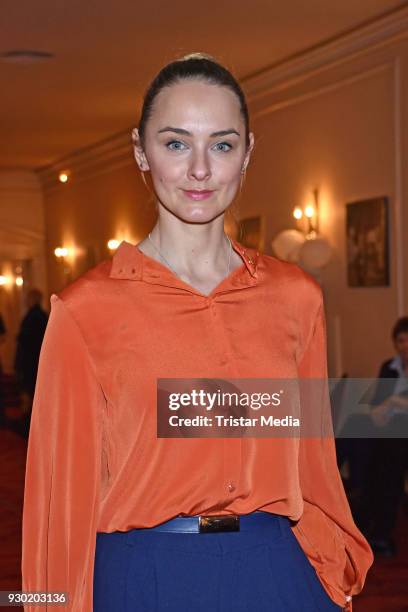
195,149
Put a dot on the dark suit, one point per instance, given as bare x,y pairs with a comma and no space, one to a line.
2,417
29,341
378,460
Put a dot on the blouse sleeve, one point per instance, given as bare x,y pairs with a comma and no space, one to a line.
326,530
62,480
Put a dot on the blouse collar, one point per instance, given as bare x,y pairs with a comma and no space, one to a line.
130,263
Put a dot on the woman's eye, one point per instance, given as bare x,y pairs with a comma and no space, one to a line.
223,146
175,145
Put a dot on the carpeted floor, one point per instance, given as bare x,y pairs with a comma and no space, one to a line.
12,465
386,588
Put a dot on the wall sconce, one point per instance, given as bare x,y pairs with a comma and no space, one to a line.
113,244
8,280
306,247
61,253
311,213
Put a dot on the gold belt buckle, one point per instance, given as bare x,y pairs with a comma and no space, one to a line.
223,522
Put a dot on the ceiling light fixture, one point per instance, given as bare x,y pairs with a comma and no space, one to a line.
63,176
25,56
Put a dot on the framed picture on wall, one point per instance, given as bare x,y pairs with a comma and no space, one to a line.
367,243
252,232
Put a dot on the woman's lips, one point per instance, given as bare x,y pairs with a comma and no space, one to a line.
198,194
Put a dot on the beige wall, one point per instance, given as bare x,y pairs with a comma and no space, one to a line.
342,142
342,129
84,215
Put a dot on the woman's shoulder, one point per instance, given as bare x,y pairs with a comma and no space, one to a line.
289,276
85,291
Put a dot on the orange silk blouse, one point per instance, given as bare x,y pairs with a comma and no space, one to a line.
94,460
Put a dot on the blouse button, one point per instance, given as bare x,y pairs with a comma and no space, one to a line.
133,270
231,487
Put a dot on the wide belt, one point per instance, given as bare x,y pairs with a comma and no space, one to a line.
217,523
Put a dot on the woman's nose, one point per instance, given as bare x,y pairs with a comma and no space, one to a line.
199,168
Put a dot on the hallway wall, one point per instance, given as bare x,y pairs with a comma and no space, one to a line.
22,243
343,138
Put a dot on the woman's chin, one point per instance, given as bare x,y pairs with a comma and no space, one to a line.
204,218
190,211
197,214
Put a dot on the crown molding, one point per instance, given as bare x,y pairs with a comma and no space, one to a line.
15,230
313,92
382,32
104,156
116,151
19,181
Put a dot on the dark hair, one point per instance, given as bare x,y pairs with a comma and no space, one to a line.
35,294
198,66
401,326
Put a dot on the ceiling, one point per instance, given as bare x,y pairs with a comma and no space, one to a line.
106,52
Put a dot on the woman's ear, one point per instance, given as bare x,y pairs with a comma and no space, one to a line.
249,151
138,152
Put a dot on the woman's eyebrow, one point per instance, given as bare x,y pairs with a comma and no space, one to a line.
187,133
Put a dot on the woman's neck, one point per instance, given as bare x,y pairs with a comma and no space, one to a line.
191,249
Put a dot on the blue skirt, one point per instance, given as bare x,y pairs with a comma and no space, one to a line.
261,570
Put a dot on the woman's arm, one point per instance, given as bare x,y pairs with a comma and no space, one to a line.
63,467
326,530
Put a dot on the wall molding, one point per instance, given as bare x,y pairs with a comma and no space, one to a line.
19,181
100,158
398,190
23,232
116,151
384,31
316,91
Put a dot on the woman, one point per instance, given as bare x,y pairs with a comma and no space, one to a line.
124,519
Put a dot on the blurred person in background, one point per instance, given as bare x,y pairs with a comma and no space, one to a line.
29,340
2,341
376,448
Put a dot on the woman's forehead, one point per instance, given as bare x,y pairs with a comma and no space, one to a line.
194,100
